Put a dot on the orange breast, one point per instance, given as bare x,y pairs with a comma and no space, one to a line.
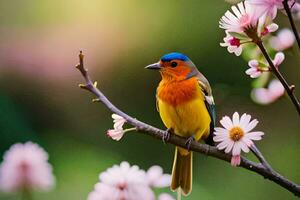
177,92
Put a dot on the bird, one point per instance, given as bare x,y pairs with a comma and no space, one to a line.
186,106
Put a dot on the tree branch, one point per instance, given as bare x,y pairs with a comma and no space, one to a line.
289,14
259,168
288,88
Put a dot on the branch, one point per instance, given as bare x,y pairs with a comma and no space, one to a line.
288,88
289,14
259,168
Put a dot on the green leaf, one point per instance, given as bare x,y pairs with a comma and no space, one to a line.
238,35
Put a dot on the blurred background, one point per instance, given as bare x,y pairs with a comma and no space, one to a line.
40,100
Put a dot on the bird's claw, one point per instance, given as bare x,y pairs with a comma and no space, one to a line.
188,142
167,135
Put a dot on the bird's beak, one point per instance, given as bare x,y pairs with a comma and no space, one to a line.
156,66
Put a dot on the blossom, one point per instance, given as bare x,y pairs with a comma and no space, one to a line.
156,178
25,166
243,25
269,29
233,44
284,40
268,95
254,71
256,68
266,7
278,59
237,135
118,121
118,132
125,182
241,18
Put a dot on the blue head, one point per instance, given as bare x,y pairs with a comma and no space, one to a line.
174,56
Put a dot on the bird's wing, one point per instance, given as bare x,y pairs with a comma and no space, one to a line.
209,102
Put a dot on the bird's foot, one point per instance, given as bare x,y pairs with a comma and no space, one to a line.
188,142
167,135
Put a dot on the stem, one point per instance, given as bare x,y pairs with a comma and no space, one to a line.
260,157
205,149
129,129
286,86
289,14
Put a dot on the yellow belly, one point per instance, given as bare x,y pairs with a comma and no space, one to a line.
186,119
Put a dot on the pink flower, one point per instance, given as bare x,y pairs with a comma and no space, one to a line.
236,160
118,131
233,45
241,18
269,29
284,40
156,178
266,7
115,134
118,121
257,68
254,71
25,166
268,95
127,182
236,136
278,59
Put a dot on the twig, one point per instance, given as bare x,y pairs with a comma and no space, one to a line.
289,14
260,157
289,89
147,129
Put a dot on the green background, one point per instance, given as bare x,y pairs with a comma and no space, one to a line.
40,100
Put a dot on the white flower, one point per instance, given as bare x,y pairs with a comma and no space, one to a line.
118,132
127,182
165,196
118,121
241,18
236,135
254,70
284,40
156,178
266,7
268,95
233,44
25,166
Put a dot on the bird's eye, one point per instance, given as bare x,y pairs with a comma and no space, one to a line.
173,64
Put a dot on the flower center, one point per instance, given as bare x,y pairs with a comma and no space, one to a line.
244,21
265,31
236,133
234,42
122,186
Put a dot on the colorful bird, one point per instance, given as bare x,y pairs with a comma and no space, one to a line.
186,107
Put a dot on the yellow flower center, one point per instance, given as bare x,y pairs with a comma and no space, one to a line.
236,133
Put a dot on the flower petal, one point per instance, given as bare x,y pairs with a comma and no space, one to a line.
235,160
251,125
226,122
257,135
236,149
229,146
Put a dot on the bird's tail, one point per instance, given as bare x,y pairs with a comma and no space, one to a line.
182,171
